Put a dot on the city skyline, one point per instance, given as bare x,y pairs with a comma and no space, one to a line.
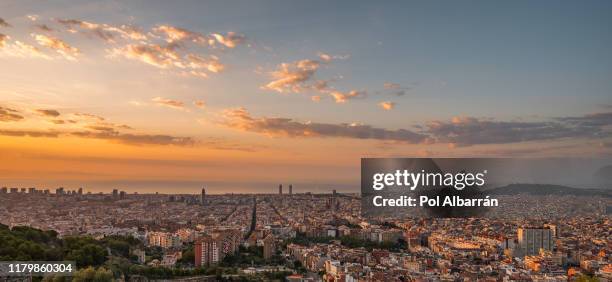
148,96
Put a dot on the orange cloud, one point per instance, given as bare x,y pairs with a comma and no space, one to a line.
340,97
386,105
293,76
169,103
3,39
86,126
8,114
231,40
328,58
58,45
167,56
104,31
211,64
21,49
200,104
174,34
141,46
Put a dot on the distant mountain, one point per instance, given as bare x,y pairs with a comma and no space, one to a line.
547,189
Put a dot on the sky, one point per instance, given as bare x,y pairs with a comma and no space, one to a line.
240,96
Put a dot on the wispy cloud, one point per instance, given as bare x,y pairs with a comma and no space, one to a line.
57,45
175,104
591,120
44,27
211,63
86,126
167,56
9,114
89,116
136,139
242,120
125,138
460,131
105,32
396,89
466,131
300,76
293,77
341,97
152,54
28,133
328,58
48,112
230,40
177,34
163,46
21,50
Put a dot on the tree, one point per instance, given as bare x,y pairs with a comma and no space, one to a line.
586,278
188,256
91,274
87,255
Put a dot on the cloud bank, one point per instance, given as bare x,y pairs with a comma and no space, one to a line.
459,131
241,119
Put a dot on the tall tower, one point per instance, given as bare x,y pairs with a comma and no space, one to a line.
290,189
203,196
334,201
280,189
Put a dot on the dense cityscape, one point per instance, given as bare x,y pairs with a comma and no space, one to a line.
305,141
290,236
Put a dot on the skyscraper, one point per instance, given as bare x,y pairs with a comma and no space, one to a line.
203,197
269,247
280,189
334,200
290,189
532,239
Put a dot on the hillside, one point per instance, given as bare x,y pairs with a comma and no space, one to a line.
547,189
